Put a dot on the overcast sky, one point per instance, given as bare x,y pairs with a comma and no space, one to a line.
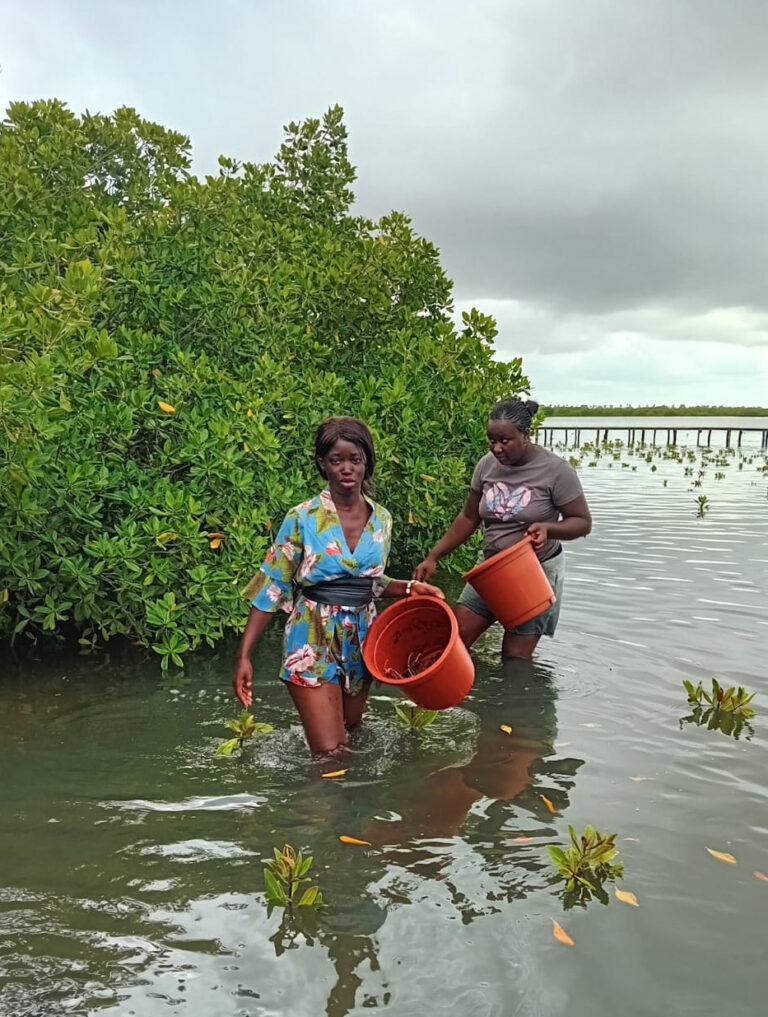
595,172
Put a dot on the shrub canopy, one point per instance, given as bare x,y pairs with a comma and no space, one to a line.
168,345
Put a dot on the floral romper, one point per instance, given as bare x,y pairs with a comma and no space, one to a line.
322,641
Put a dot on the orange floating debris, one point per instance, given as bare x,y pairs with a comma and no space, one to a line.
722,856
506,729
522,840
548,803
760,875
627,897
334,773
561,935
354,840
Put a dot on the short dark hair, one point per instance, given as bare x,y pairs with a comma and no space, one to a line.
346,429
517,411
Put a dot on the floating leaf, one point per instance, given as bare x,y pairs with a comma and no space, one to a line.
722,856
627,897
522,840
760,875
561,935
354,840
166,407
334,773
506,729
548,803
637,780
216,542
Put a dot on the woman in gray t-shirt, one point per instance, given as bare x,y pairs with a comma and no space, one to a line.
517,488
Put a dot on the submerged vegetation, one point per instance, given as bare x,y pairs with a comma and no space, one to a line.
722,709
587,863
244,727
168,345
415,717
283,877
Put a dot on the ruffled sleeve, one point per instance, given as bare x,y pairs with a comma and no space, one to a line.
382,535
272,586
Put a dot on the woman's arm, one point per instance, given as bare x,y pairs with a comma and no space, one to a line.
460,530
242,681
576,522
399,588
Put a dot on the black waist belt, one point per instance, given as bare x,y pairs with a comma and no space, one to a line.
347,591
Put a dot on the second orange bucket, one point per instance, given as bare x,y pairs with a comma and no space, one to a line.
513,584
415,646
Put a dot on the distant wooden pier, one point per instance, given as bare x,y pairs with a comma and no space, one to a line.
546,435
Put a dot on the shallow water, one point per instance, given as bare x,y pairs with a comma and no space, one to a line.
130,854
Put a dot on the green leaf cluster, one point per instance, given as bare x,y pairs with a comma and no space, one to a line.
415,717
730,700
168,345
588,861
283,876
244,727
725,710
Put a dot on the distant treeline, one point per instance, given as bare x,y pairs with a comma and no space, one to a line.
655,411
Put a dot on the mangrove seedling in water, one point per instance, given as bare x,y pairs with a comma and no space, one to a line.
731,700
588,861
703,506
415,717
245,727
725,710
283,876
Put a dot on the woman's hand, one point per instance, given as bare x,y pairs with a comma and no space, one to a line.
425,569
242,682
540,534
426,590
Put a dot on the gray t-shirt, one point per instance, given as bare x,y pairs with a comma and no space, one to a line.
513,497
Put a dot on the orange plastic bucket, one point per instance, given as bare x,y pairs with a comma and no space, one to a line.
420,632
513,584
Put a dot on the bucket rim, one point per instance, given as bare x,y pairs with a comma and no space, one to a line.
405,604
496,559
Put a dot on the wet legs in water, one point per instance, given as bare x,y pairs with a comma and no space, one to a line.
327,714
472,626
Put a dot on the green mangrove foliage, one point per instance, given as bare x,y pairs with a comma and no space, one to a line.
587,862
722,709
414,717
244,726
283,876
168,345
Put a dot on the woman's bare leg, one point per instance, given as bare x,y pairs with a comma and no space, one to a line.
522,647
471,625
322,714
354,707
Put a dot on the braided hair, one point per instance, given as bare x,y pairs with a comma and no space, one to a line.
519,412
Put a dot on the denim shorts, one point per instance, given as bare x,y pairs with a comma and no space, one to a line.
543,624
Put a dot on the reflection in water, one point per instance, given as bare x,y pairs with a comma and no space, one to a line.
131,854
492,802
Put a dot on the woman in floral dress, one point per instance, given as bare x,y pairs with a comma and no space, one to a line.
324,570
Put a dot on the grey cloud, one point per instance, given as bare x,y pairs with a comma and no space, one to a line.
588,160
